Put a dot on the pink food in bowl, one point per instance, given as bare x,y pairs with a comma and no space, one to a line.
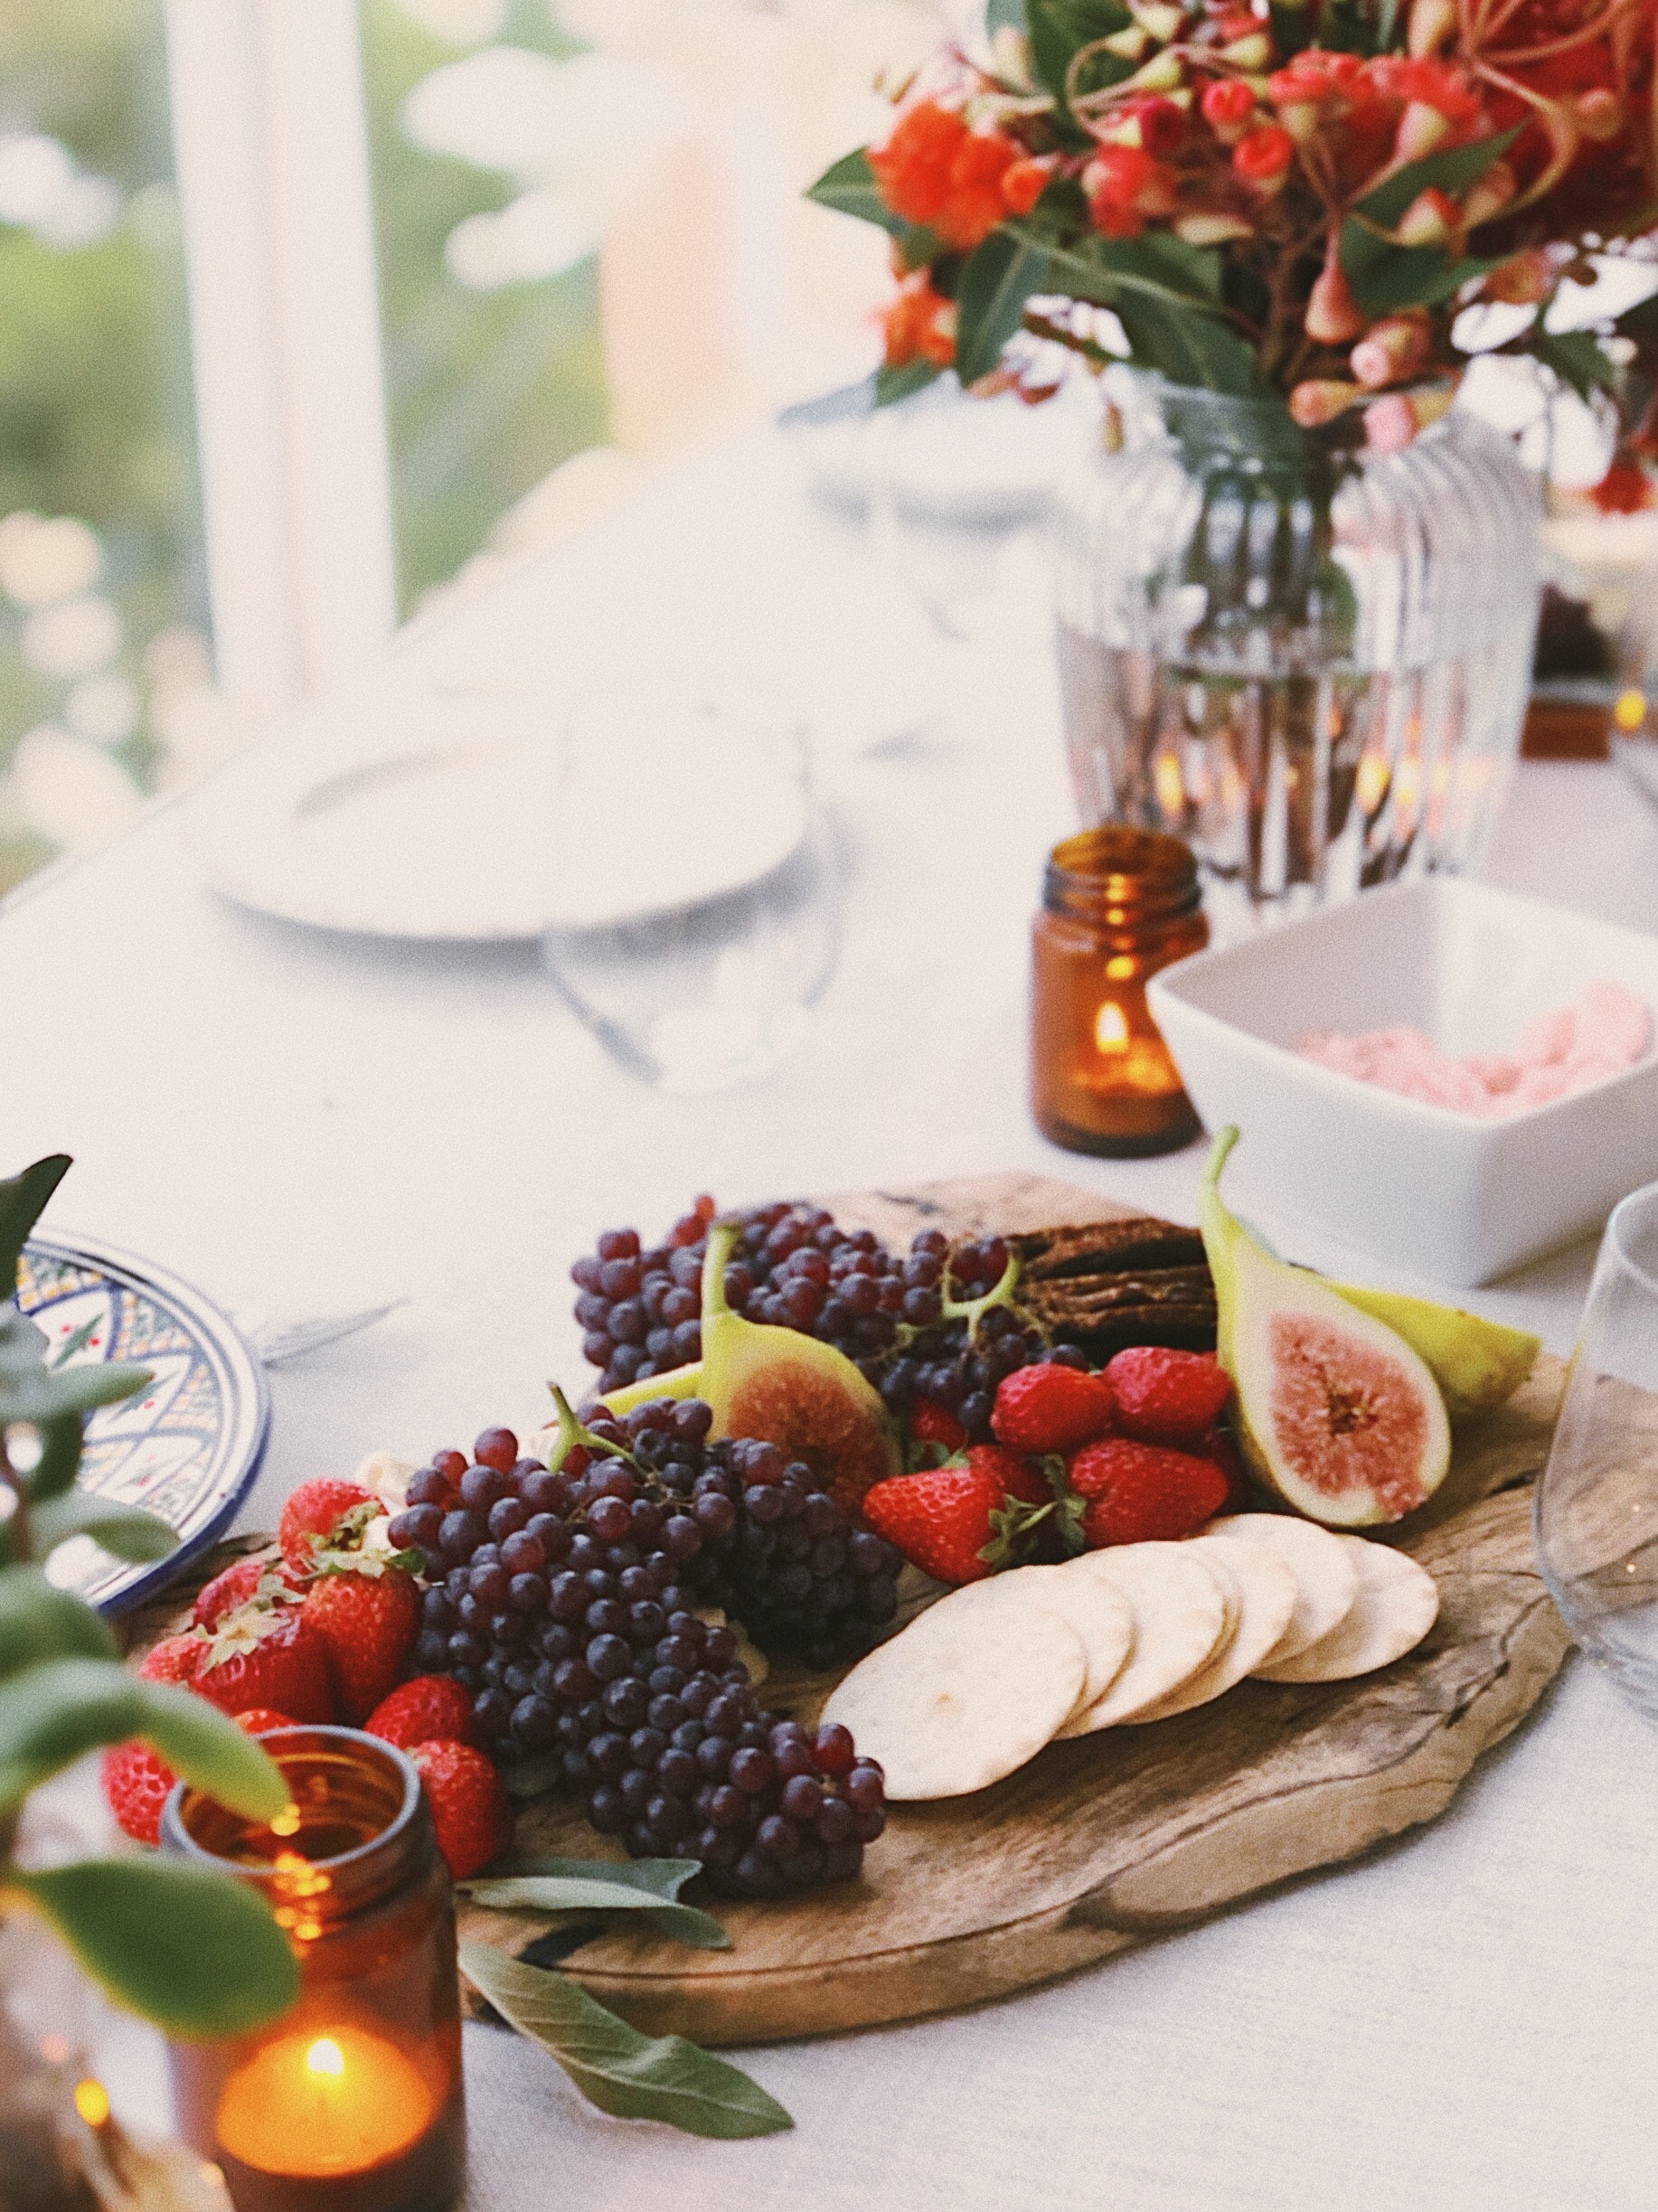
1570,1049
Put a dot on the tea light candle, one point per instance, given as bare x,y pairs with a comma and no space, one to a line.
310,2104
352,2102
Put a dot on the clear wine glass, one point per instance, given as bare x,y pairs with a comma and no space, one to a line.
1598,1503
697,907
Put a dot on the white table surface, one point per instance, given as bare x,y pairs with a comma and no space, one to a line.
298,1123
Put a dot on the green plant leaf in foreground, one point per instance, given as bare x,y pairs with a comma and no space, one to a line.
127,1531
39,1622
196,1952
592,1893
23,1200
54,1713
37,1393
627,2074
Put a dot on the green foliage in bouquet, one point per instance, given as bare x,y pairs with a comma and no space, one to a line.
194,1952
1282,202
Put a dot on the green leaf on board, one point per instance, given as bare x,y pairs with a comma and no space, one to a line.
126,1531
39,1622
662,1879
627,2074
542,1893
58,1464
1577,358
894,384
23,1200
196,1953
998,279
55,1712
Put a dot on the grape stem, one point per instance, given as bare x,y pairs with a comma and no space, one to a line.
572,1433
973,1310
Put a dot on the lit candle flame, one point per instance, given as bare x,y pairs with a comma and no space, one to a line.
92,2101
1110,1029
326,2057
1630,712
286,1823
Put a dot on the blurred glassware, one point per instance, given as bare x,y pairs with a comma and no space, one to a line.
696,901
1308,659
953,491
1596,1508
1598,634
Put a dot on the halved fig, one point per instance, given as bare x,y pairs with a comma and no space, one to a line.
1333,1409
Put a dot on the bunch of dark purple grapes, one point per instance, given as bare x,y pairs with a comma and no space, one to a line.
798,1269
565,1602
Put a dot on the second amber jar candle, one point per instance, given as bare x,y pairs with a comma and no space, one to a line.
1117,905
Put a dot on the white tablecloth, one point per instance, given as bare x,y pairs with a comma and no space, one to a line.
299,1123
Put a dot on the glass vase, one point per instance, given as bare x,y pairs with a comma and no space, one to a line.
1309,659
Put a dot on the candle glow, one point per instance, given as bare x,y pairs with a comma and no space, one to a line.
320,2106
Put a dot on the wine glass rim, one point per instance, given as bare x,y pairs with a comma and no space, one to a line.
1623,1213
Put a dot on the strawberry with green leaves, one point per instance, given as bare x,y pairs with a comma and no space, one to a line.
977,1512
366,1615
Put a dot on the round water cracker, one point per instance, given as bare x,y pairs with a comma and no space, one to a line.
1397,1604
1181,1613
1327,1581
1099,1614
1267,1599
963,1696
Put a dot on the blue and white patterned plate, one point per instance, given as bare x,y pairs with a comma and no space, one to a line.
190,1447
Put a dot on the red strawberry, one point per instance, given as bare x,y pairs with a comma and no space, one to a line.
259,1720
1051,1408
931,1423
136,1780
325,1513
1138,1492
431,1708
174,1659
957,1523
1015,1473
237,1585
368,1622
470,1807
135,1784
270,1656
1166,1397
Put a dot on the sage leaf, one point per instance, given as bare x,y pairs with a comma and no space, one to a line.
54,1713
39,1622
23,1200
126,1531
196,1953
37,1394
627,2074
542,1893
1000,276
663,1878
59,1461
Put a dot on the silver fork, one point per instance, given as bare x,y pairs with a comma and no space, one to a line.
279,1343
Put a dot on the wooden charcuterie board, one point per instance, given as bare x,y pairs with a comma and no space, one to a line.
1134,1832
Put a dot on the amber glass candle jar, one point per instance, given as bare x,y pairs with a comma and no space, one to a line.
351,2102
1117,905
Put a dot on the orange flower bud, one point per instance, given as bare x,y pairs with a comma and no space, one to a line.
1432,22
1429,219
1600,114
1522,281
1319,399
1421,128
1391,424
1333,316
1395,349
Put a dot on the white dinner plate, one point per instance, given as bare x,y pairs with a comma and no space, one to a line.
478,817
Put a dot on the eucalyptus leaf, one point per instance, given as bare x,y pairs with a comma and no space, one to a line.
23,1200
663,1878
1059,29
126,1531
55,1712
1161,268
542,1893
58,1464
1187,347
1577,358
849,186
902,384
39,1622
196,1953
1451,169
37,1393
1387,279
627,2074
998,279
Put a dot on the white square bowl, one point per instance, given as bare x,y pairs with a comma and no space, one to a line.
1451,1197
